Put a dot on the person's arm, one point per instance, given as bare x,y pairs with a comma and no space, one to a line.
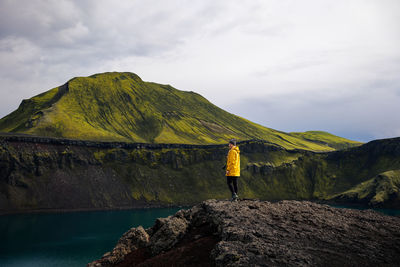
230,165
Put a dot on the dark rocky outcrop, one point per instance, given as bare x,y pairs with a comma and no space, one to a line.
257,233
12,137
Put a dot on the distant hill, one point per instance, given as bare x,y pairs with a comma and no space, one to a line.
121,107
325,138
381,189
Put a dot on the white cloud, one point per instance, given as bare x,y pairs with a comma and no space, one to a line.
76,32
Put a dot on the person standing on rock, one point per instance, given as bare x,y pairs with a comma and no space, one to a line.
233,168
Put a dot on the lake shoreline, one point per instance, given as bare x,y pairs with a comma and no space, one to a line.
150,205
136,207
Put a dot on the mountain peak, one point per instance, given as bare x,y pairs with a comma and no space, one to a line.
122,75
120,106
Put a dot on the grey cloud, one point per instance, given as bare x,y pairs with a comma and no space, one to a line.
36,19
286,67
135,29
69,31
247,17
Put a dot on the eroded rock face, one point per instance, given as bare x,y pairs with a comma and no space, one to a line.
131,240
260,233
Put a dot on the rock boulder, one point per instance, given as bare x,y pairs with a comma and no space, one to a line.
261,233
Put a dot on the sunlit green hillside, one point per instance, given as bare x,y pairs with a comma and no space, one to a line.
382,188
121,107
326,139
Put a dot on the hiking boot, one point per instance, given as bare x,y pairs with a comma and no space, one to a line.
234,197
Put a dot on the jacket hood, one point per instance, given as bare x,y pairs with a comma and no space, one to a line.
236,148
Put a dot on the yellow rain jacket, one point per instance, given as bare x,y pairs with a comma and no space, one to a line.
233,162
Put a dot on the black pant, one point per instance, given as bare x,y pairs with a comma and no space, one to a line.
232,182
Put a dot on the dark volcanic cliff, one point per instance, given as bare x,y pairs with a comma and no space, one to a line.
47,173
256,233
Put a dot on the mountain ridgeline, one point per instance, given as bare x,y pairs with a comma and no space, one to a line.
121,107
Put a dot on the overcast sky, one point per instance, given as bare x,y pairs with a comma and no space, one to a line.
288,65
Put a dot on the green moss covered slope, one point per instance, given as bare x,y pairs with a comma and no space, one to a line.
383,188
325,138
121,107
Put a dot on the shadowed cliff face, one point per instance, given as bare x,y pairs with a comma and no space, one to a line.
67,174
256,233
105,175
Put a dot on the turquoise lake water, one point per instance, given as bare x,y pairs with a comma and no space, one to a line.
72,239
67,239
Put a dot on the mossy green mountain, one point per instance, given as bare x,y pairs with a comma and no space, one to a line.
121,107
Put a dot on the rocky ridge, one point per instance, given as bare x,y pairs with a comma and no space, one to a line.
261,233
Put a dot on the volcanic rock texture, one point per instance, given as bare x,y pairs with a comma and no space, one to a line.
260,233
